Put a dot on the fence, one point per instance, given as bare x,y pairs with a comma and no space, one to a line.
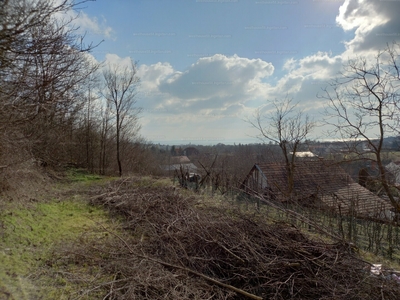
377,236
381,237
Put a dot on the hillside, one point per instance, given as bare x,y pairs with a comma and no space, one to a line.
142,238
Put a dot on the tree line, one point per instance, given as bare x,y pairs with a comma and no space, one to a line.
58,106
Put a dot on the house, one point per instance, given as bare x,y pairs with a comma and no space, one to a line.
304,154
316,183
394,170
176,162
176,151
191,151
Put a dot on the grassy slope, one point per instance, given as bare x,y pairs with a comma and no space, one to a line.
29,232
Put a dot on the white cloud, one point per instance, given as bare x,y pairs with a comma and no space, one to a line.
152,76
115,60
221,89
375,23
83,22
304,79
289,64
360,14
213,87
213,92
217,76
320,66
92,25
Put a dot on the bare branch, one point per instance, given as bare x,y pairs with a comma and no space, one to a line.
364,107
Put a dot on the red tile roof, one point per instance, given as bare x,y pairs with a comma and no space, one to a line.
327,182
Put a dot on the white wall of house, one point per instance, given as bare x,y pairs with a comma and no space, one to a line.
394,168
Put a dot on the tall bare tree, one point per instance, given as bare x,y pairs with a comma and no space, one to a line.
43,64
19,17
121,85
104,136
364,107
91,119
286,126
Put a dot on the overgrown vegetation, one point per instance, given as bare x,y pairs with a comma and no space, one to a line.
369,235
184,248
81,175
159,241
53,108
29,235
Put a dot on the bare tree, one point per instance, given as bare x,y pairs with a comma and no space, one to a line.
287,127
38,55
364,107
43,64
121,85
17,18
104,137
90,120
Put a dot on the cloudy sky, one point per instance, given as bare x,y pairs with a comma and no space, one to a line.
206,65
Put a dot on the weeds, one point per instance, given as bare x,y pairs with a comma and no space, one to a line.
166,243
82,175
27,237
179,250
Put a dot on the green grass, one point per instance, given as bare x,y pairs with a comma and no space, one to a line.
27,239
33,235
82,175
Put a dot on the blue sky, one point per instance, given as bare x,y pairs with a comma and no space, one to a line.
206,65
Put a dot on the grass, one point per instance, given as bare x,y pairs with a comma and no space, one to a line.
32,234
27,239
82,175
378,259
148,181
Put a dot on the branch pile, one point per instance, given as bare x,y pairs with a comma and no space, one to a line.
179,248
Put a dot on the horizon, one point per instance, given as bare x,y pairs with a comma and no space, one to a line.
206,66
254,142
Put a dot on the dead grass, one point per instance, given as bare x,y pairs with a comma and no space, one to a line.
162,242
178,248
25,184
38,214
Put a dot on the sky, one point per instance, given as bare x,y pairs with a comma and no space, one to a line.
206,65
